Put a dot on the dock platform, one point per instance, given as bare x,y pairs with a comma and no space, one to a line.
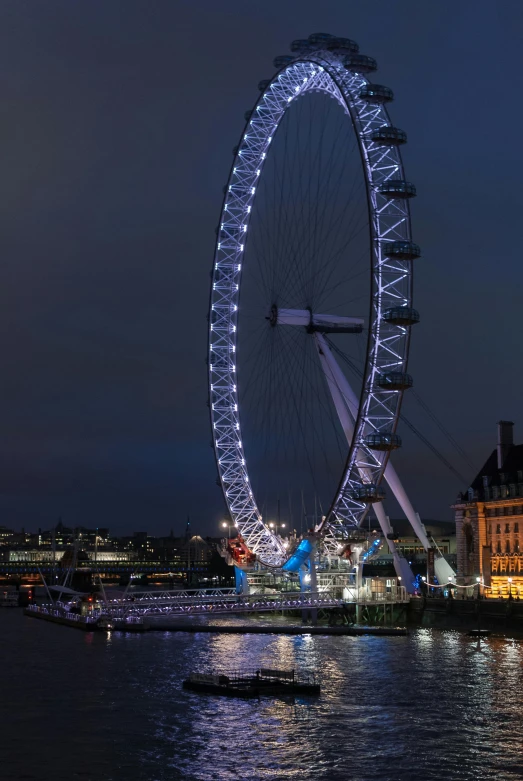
302,629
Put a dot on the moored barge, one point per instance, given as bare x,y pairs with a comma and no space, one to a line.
263,681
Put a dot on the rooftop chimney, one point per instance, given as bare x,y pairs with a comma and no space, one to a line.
505,440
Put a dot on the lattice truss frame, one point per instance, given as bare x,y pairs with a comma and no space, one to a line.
387,348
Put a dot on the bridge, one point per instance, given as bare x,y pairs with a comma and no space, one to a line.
185,603
226,600
127,610
109,568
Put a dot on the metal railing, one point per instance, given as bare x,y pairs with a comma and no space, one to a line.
364,596
230,603
226,600
50,611
176,595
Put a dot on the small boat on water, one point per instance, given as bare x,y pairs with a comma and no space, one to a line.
253,684
479,633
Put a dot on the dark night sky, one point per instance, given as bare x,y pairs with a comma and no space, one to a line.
117,124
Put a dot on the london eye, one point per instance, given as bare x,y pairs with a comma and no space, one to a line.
311,305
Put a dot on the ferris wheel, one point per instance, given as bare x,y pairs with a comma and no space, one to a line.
311,304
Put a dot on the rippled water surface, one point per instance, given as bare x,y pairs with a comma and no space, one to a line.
111,708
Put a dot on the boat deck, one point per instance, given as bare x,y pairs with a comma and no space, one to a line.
253,683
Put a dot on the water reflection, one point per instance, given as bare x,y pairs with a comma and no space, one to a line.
428,706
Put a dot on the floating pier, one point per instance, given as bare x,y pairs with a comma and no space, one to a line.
303,629
86,623
107,624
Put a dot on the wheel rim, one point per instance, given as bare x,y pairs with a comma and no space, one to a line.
391,285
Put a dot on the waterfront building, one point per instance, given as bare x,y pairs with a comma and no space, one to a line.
6,535
489,522
32,555
39,556
184,559
441,533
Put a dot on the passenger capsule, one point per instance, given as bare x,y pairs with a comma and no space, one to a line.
342,45
263,84
301,46
397,188
402,250
360,63
235,150
394,381
366,492
320,40
282,61
248,114
376,93
382,440
388,136
401,315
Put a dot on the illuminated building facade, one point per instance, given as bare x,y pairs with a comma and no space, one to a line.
489,523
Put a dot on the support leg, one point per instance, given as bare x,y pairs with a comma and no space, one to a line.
242,584
346,407
343,395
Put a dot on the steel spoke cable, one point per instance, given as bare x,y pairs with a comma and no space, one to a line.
353,233
410,425
329,195
333,208
305,404
279,425
299,255
350,277
314,408
294,255
329,167
327,408
288,203
326,196
443,430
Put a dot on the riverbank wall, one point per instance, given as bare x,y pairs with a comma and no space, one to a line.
496,615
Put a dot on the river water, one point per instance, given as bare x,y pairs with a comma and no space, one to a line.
77,705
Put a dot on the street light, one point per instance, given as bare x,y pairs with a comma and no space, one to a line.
273,525
478,581
226,525
509,588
